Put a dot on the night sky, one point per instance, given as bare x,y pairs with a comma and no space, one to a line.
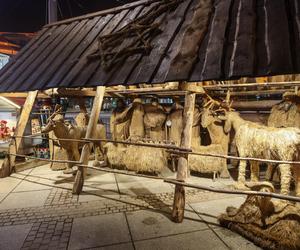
30,15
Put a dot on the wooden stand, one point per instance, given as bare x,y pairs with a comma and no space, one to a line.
9,161
182,171
86,151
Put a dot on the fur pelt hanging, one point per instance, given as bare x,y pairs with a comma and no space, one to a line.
270,224
154,121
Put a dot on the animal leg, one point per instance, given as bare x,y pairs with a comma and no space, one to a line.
269,172
69,169
254,171
242,175
297,179
285,170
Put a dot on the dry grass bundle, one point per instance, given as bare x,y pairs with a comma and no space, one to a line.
136,158
206,164
269,224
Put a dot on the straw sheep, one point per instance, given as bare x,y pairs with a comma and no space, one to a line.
136,158
259,141
208,164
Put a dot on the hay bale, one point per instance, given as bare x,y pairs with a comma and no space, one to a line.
136,158
206,164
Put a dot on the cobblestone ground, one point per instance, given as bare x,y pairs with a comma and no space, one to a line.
52,222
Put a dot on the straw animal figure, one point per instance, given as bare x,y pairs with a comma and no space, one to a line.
215,129
269,223
136,158
259,141
120,121
68,131
207,164
283,115
137,129
196,138
176,123
154,121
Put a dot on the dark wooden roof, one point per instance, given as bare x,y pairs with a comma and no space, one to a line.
195,40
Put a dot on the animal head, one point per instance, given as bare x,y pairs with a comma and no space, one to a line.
217,111
53,120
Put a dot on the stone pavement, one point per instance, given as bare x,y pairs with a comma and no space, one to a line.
38,211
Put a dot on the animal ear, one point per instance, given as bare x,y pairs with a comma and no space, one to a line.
227,127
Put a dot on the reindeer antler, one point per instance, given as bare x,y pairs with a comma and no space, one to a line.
57,109
211,102
227,102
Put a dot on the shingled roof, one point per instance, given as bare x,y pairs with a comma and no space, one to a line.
157,41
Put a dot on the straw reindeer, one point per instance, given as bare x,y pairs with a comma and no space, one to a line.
62,130
259,141
214,125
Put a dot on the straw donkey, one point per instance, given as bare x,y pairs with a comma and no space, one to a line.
260,141
62,131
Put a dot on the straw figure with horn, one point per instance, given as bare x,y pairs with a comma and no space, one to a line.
62,131
259,141
214,125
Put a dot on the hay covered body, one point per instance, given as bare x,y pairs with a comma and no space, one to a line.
259,141
207,164
136,158
269,224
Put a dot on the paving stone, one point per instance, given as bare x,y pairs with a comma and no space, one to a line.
234,240
210,210
147,224
123,246
25,199
192,241
31,184
12,237
97,231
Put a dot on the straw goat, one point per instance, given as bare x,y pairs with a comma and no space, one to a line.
259,141
67,131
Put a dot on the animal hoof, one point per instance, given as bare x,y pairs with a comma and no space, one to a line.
96,164
68,171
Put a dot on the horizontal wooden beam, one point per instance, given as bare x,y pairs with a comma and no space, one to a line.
22,95
255,105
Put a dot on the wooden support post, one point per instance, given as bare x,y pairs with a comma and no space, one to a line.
182,170
9,161
85,153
